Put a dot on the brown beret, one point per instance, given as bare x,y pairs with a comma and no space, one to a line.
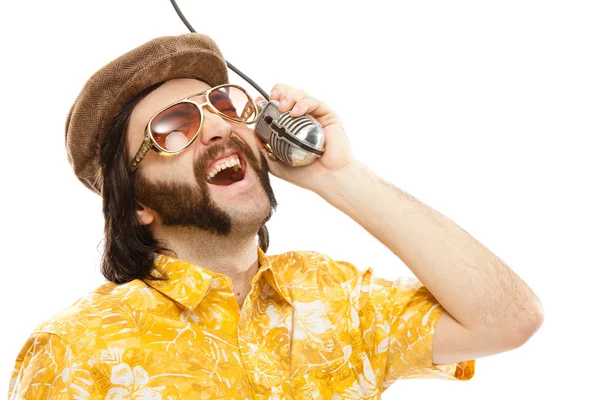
190,55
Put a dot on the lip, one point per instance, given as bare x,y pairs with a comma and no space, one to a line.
225,155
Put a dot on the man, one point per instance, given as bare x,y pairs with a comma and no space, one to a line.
194,308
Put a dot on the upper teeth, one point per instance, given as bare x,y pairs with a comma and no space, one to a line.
231,161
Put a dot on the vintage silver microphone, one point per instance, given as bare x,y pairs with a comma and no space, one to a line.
297,141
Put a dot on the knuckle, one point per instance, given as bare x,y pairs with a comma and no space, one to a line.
279,88
301,94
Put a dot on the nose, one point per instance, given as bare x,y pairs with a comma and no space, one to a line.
214,128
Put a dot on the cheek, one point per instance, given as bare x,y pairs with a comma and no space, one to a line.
177,168
250,139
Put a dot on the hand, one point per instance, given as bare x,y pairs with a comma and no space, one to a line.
338,153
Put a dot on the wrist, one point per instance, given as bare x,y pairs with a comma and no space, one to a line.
342,182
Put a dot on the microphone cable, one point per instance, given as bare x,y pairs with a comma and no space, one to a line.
234,69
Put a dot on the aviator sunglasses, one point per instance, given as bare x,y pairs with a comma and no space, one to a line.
173,128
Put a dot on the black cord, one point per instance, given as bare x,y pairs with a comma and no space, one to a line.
237,71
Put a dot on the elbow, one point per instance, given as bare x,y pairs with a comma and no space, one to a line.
529,323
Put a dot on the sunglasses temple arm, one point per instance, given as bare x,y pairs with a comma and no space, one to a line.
144,148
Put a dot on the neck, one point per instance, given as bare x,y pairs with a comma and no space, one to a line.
234,255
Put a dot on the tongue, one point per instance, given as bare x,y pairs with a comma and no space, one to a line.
227,176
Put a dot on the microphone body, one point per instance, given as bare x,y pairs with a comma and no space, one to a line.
297,141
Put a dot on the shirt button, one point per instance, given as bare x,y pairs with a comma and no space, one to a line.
215,284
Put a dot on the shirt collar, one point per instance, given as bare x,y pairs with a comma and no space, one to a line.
188,283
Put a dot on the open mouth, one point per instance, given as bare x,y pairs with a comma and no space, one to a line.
228,171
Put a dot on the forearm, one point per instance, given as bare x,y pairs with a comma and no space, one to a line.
468,280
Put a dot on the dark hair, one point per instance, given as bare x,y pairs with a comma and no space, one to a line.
129,245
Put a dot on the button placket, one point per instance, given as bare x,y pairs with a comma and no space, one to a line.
242,337
248,348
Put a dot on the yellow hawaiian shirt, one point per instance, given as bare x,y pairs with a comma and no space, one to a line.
311,328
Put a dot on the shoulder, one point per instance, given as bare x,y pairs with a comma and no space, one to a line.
306,262
312,260
318,268
101,315
77,341
47,367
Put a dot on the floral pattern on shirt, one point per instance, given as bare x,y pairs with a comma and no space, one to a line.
311,327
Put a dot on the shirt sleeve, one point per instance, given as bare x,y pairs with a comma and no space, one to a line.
398,320
47,368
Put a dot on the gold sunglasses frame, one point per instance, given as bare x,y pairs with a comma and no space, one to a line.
150,144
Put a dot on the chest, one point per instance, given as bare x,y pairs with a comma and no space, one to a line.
269,349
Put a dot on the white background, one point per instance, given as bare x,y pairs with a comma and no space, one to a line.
487,112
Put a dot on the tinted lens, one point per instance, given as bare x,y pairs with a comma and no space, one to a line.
234,103
176,126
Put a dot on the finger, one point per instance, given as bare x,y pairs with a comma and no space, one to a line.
289,99
303,106
278,90
312,106
281,89
286,102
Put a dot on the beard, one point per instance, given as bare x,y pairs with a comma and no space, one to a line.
180,204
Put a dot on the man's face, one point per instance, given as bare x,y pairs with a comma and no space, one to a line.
176,188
